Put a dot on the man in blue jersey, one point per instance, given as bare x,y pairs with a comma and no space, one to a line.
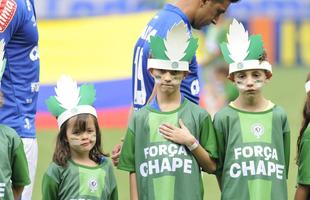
195,14
20,82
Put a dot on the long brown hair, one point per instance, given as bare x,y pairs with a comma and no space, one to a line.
305,120
62,151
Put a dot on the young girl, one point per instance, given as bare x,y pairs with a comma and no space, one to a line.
160,169
253,132
79,169
303,146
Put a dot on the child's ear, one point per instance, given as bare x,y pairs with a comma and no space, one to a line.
231,78
268,75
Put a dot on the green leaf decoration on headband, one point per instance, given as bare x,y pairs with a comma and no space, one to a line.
2,60
53,106
239,46
225,53
191,49
88,94
178,45
256,48
158,47
69,96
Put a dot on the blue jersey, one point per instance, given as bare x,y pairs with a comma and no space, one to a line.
20,82
143,82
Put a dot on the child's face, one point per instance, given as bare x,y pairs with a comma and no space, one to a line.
81,141
250,81
168,80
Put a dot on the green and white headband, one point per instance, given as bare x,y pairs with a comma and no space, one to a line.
175,52
242,52
2,60
71,100
307,86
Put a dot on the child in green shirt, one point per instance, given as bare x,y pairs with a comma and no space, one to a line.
158,168
80,170
252,132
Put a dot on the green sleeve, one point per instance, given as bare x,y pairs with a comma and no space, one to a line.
127,157
208,137
220,138
20,173
49,188
304,163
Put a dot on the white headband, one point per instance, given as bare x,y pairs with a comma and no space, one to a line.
80,109
167,64
307,86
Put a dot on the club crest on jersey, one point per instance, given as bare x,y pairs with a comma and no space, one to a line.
93,184
7,11
257,129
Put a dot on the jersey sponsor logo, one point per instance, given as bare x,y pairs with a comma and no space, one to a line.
34,54
247,164
7,11
195,87
35,86
27,124
93,184
164,158
257,129
2,188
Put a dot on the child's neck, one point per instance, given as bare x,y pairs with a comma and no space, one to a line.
252,104
83,159
169,102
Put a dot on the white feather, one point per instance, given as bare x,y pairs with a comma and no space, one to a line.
67,92
238,42
176,42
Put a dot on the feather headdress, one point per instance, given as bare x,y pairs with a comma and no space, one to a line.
71,100
242,52
175,51
2,60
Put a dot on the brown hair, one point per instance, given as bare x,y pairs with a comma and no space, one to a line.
62,151
305,120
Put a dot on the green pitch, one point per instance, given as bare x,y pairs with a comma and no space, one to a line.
286,88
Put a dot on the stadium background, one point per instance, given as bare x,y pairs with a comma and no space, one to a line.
92,41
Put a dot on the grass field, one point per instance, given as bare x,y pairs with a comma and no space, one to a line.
286,89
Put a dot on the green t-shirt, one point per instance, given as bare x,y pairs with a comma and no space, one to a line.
304,159
76,182
254,150
13,164
166,170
